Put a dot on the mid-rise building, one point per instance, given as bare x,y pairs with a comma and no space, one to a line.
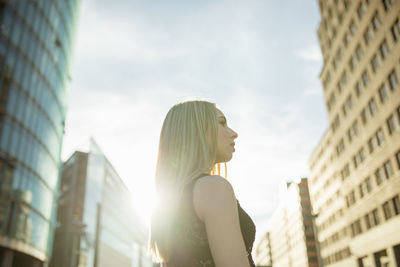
97,225
292,231
263,255
355,169
35,49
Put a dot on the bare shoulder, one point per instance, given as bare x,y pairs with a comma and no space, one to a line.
212,182
211,193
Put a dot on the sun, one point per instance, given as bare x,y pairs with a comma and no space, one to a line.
143,202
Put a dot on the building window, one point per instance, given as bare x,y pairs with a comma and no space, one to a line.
362,8
375,216
371,219
383,93
352,62
372,106
379,137
396,30
392,124
345,172
365,115
358,158
387,4
352,197
359,53
361,155
339,86
347,105
336,123
365,78
384,49
355,161
350,135
368,184
376,21
368,35
343,79
346,39
353,131
331,100
334,63
387,211
375,62
340,17
358,88
361,190
398,112
327,79
387,166
352,27
367,222
393,80
379,175
396,205
372,144
355,127
340,147
356,228
378,258
339,55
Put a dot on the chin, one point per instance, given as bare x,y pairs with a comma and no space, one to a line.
224,158
228,158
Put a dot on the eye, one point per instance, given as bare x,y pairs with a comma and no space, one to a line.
222,122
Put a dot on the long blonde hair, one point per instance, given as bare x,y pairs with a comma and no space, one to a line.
187,148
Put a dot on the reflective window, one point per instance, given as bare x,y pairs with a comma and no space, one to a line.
7,20
12,98
3,47
10,57
5,134
16,30
29,101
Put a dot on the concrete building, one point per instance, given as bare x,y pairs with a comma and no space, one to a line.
97,224
355,169
35,48
263,255
292,232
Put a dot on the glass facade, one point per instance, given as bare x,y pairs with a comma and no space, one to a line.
98,226
36,39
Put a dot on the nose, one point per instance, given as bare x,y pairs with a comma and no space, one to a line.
234,134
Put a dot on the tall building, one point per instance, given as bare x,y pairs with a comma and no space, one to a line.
263,255
292,232
35,47
355,169
97,224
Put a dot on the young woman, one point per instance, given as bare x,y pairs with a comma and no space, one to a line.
197,221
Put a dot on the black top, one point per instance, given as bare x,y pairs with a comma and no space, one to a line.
190,243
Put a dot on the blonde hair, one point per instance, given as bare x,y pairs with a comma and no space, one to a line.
187,148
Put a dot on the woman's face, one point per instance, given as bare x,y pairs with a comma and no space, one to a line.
226,137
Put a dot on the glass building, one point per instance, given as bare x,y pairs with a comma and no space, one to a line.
98,226
36,39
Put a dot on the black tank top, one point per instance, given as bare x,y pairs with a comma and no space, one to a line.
190,243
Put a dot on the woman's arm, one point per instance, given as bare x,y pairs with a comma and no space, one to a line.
215,203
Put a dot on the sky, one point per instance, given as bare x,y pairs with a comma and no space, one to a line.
258,60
